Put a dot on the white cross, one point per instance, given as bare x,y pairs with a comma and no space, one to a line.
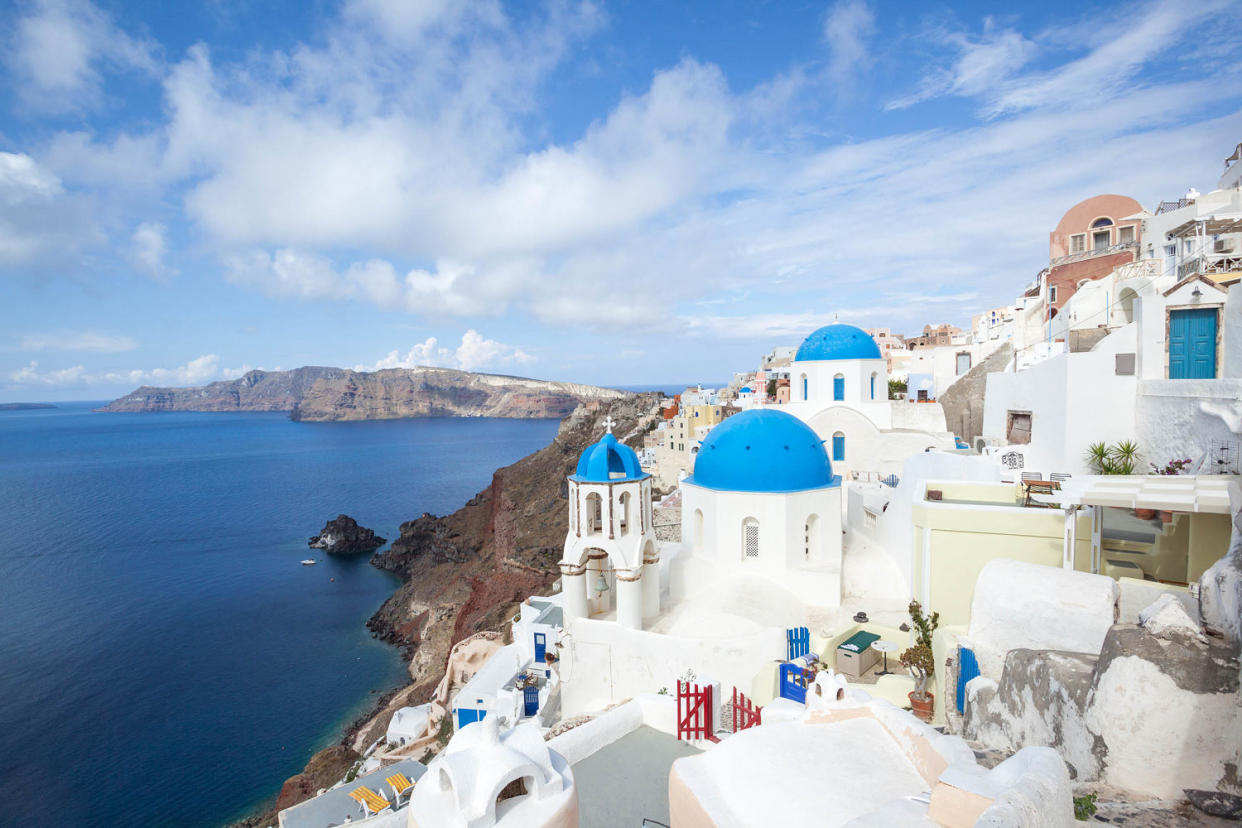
609,422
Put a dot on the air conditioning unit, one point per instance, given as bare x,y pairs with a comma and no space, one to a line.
1225,245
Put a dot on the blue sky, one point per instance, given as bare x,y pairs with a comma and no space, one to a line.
614,193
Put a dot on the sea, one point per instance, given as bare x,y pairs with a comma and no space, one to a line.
165,658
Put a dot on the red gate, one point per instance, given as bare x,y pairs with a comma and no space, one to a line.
745,713
694,712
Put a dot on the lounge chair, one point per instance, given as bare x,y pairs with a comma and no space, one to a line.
1032,476
400,784
371,802
1060,477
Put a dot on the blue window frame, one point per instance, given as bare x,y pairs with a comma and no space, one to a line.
838,447
873,386
804,387
838,388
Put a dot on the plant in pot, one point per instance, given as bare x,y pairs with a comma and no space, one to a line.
919,660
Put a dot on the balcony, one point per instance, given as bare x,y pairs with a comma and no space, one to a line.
1215,266
1123,247
1141,269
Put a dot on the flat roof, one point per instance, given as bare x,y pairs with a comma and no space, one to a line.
332,808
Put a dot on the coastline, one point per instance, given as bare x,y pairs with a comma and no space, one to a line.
460,574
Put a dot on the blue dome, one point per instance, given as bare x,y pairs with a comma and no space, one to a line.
838,342
763,450
608,460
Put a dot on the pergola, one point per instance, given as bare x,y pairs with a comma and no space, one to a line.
1181,493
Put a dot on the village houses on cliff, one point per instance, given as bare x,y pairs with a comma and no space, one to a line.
813,598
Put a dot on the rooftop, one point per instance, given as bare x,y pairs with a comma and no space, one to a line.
334,807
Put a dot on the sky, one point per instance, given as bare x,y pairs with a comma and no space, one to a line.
607,192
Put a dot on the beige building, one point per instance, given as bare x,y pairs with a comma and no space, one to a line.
679,440
892,345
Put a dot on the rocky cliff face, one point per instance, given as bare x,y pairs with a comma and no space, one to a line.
343,536
466,572
329,394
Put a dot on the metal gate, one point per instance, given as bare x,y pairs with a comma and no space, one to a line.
967,668
694,712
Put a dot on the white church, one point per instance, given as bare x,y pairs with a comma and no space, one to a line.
760,553
839,387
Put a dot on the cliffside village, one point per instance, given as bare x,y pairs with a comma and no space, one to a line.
985,577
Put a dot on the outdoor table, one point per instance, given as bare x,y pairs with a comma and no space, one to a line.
884,647
1045,487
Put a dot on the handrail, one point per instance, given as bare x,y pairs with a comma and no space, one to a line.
1093,252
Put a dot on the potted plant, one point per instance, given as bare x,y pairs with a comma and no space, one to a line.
1120,458
919,660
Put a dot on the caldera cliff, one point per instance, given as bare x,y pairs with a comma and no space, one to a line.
334,394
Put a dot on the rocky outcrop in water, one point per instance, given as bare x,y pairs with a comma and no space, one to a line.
332,394
343,536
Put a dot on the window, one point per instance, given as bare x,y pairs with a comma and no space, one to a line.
1101,222
811,537
1018,431
624,508
594,514
698,530
804,389
838,387
750,539
1078,243
963,363
838,446
873,385
1052,294
1125,235
1101,239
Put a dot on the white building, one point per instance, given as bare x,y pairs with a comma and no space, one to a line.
839,387
610,559
485,778
408,724
763,499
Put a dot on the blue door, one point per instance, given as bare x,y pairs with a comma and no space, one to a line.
1192,343
967,668
541,648
467,716
530,695
838,388
798,642
838,447
793,683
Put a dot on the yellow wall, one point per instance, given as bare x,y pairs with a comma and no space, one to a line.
965,538
1209,540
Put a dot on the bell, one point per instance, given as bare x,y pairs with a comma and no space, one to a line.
601,586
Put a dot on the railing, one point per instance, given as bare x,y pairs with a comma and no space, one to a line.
1170,206
1209,263
1093,252
1141,269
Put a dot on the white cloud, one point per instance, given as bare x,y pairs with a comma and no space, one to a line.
848,27
195,372
77,341
474,352
149,247
58,48
38,219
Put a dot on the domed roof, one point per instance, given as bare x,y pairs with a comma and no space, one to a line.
838,342
608,460
763,450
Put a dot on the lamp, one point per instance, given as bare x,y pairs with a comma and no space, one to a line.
1196,294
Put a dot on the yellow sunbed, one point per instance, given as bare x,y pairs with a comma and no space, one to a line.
371,802
400,784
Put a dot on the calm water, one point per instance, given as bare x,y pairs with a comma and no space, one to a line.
164,658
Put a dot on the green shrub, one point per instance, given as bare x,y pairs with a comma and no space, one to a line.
1084,807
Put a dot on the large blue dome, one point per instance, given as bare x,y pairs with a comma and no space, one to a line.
838,342
763,450
608,460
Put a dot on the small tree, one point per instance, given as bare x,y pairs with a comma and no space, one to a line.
1120,458
895,387
771,389
919,659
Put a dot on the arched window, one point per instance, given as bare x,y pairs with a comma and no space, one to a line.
750,540
594,514
812,537
805,389
623,507
838,445
838,387
873,376
1126,303
1101,222
698,530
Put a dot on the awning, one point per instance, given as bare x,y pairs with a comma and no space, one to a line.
1213,225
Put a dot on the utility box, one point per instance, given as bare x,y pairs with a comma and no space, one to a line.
855,656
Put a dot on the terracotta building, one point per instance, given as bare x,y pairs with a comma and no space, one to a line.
933,337
1091,239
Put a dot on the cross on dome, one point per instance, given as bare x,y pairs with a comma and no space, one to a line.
609,422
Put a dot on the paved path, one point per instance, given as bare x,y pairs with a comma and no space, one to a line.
628,780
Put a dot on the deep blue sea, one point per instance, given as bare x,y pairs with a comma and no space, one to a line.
164,657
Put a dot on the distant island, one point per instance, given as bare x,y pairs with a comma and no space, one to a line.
24,406
315,394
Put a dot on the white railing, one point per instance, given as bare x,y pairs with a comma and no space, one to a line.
1141,269
1093,252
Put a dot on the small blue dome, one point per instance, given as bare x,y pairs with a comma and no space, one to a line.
745,390
763,450
838,342
608,460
